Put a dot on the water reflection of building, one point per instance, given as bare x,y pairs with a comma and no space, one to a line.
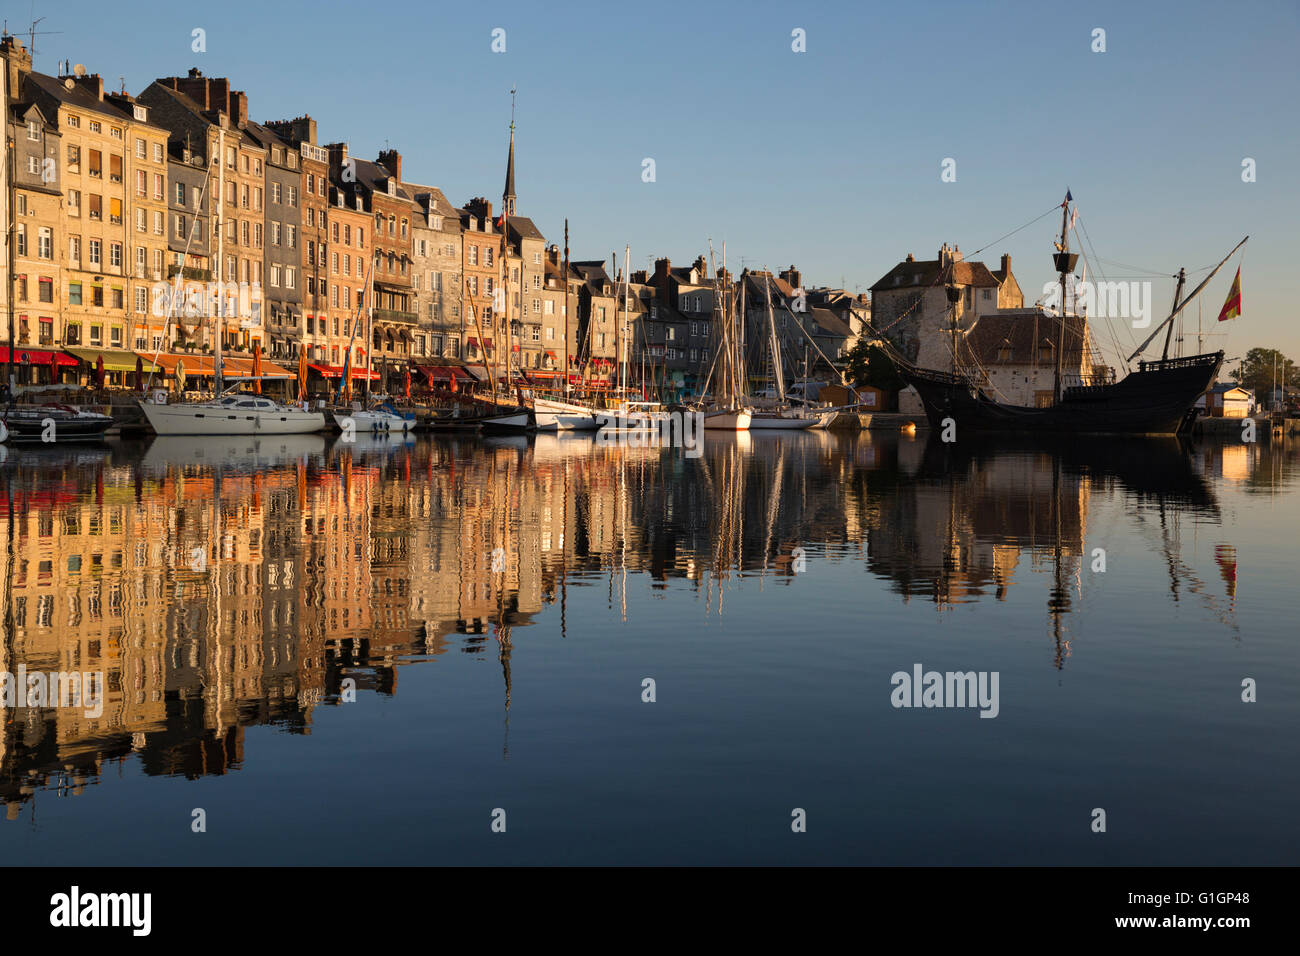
218,591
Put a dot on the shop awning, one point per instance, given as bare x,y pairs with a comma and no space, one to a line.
24,356
115,360
445,373
336,371
203,366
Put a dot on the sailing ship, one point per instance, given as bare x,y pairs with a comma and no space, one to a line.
1157,398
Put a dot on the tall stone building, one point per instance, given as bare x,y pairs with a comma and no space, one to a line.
282,246
910,307
207,116
300,133
437,286
114,178
351,261
484,295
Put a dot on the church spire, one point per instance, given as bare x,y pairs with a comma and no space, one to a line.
508,197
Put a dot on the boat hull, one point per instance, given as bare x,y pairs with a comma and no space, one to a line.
761,422
201,419
513,423
732,420
1155,400
30,426
563,416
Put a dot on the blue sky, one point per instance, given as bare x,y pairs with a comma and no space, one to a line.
828,159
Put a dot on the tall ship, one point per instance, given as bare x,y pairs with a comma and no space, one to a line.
1157,398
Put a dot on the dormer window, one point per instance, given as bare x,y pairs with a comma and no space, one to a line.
140,112
33,130
392,186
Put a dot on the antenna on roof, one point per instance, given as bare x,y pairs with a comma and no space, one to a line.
33,33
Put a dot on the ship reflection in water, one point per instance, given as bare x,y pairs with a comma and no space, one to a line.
224,584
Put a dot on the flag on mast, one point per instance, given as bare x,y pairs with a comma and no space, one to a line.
1232,306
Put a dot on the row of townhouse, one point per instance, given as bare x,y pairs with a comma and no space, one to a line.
146,223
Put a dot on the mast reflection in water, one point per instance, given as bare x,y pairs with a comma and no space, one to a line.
228,584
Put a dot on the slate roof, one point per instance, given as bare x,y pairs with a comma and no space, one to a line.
928,272
995,332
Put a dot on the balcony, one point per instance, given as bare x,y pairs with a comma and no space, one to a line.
392,315
190,272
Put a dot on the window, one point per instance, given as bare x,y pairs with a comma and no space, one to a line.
290,274
292,195
141,149
549,308
46,287
20,239
115,211
275,233
158,222
141,299
114,168
74,248
115,255
275,193
141,256
157,152
180,227
115,336
74,294
45,243
291,236
74,202
472,253
33,130
243,195
275,274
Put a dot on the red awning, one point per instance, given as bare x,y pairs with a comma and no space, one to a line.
24,356
336,371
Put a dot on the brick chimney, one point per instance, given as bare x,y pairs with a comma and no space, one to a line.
211,93
18,62
701,266
92,83
661,270
300,129
480,208
794,277
1006,264
391,160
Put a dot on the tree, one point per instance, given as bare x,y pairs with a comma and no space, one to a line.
869,364
1256,371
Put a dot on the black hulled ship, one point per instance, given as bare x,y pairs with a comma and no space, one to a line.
1157,399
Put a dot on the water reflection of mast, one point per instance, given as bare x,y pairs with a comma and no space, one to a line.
503,629
1058,603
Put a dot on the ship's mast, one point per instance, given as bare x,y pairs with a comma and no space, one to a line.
1064,262
1178,293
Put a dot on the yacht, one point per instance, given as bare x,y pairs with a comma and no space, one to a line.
22,423
237,414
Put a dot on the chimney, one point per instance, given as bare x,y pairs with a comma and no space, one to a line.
238,107
92,83
1006,264
18,62
661,270
391,160
639,277
910,257
300,129
338,153
480,208
701,266
794,277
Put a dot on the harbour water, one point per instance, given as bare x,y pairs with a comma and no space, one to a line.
373,652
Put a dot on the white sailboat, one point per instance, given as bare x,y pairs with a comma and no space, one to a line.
784,417
727,414
554,415
239,414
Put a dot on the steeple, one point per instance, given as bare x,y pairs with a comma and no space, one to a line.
508,197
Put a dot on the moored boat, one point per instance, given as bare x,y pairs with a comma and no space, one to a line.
232,414
52,423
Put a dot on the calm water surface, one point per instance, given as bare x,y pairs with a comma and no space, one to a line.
356,653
